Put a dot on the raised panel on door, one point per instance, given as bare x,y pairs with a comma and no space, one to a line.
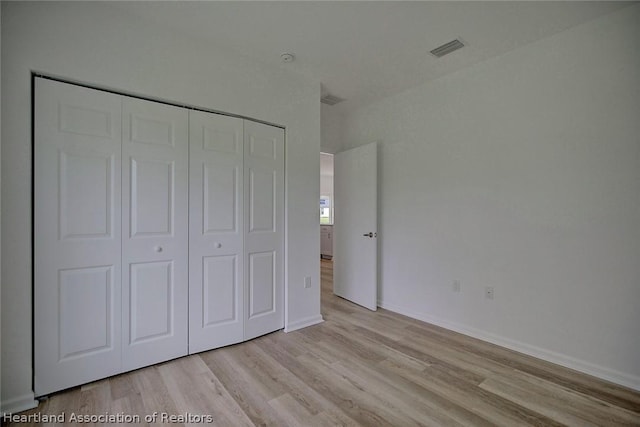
264,228
151,295
152,187
85,297
220,187
262,283
77,231
215,231
86,191
262,197
220,291
154,232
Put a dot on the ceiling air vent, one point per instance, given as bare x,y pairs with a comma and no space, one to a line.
447,48
330,99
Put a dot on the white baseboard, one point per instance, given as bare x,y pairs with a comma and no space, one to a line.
19,404
621,378
303,323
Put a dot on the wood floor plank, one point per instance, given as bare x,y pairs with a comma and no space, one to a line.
352,397
497,410
333,418
154,396
434,401
121,386
358,368
294,414
243,390
585,406
293,343
403,394
615,394
424,354
288,383
567,408
460,358
196,390
95,398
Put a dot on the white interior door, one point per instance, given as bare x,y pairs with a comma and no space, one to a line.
264,228
77,235
155,232
355,238
216,217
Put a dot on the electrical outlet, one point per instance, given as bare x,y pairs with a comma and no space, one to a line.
456,286
307,282
488,292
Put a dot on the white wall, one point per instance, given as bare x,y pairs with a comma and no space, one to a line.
93,43
521,173
331,128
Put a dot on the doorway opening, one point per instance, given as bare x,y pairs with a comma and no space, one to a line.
326,224
326,206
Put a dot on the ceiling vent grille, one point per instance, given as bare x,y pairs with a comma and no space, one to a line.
447,48
330,99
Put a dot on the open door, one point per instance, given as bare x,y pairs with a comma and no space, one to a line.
355,258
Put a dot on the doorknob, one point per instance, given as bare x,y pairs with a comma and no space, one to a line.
370,234
157,248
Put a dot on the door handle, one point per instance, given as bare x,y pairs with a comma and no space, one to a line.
370,234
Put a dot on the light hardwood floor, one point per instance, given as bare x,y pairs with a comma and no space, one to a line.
359,368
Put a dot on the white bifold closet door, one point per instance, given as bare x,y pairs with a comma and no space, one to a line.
216,263
77,301
236,248
264,228
159,232
111,234
155,232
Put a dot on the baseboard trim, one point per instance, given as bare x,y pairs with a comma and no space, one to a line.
614,376
303,323
19,404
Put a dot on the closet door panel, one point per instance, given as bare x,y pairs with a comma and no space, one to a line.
264,228
263,199
220,185
155,232
77,235
219,290
86,194
86,321
152,187
262,283
151,303
215,243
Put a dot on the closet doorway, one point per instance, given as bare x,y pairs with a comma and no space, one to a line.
158,232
